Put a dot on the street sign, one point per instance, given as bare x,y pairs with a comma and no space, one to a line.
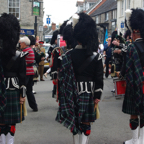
122,25
40,28
27,32
48,20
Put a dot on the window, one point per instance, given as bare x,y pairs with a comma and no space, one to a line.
97,20
113,26
122,8
114,14
81,8
91,4
128,4
14,7
106,16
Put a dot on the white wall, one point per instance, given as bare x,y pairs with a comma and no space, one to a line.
120,17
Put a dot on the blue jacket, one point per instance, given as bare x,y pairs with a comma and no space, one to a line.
108,50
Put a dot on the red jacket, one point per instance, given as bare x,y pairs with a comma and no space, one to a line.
29,60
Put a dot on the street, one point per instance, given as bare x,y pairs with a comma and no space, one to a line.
41,128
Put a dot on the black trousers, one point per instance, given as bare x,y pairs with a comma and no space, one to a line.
107,66
30,95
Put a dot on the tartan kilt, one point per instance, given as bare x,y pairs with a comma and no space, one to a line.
11,113
129,104
86,108
83,112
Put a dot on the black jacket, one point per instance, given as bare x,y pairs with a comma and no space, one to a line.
15,72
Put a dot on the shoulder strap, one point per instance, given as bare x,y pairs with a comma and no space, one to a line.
86,63
12,60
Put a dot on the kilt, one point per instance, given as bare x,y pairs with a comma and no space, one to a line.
11,113
86,108
83,111
129,105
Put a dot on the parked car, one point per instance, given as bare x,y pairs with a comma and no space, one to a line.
47,39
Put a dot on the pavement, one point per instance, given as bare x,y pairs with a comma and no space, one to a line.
41,128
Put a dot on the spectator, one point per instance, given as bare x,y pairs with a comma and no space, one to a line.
100,48
41,63
37,39
24,45
108,53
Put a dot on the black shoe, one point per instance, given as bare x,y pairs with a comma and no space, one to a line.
34,92
113,90
35,110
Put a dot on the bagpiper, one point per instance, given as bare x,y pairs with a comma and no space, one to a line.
133,103
14,66
81,80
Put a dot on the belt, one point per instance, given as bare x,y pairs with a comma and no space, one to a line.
83,78
10,74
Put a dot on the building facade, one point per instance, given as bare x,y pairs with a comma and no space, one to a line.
122,5
105,16
22,9
84,5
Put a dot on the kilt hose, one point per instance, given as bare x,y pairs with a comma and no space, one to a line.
11,113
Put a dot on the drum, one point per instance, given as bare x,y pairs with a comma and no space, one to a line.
120,86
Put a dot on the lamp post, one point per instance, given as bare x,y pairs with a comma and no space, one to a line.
35,24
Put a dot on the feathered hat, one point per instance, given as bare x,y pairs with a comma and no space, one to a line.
128,33
68,36
117,35
54,37
85,32
62,27
9,33
32,40
135,20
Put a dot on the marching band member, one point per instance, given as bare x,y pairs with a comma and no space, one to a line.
14,66
117,57
81,80
133,103
67,34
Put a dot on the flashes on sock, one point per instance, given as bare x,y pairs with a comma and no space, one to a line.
11,129
134,123
86,129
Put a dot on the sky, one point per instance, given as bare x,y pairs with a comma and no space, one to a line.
60,10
